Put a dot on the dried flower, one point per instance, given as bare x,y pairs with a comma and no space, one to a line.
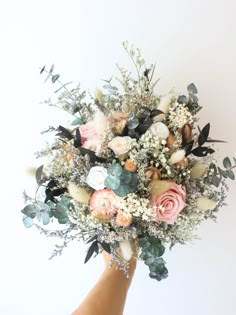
123,219
152,173
96,177
78,193
205,203
177,157
130,166
105,202
198,170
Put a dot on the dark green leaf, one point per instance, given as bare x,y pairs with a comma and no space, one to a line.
156,112
215,141
188,147
76,122
77,141
142,128
192,88
106,247
27,221
38,174
226,162
92,249
43,68
30,211
202,151
55,78
93,238
64,133
204,134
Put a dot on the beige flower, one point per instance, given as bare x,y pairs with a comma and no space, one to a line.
198,170
78,193
99,96
204,203
164,104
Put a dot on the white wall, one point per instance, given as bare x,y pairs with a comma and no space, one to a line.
189,41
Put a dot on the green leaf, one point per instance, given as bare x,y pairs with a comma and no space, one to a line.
76,122
38,174
215,181
27,221
192,88
30,211
234,160
92,249
182,99
112,182
115,169
202,151
227,163
55,77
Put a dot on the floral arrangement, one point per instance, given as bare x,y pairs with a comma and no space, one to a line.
133,166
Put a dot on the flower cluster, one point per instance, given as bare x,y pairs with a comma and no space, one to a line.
133,167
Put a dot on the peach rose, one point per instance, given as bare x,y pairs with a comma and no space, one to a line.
120,145
169,203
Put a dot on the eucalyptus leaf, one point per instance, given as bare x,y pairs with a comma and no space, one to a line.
42,69
30,211
63,220
45,217
192,88
230,174
182,99
38,174
76,122
227,163
27,221
51,69
55,78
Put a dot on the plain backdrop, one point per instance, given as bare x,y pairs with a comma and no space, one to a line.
190,41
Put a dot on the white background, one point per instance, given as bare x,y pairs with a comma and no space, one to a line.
189,41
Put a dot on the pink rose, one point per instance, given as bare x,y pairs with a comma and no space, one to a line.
90,137
169,203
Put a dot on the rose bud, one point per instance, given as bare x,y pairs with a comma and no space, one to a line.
170,140
130,166
186,132
152,173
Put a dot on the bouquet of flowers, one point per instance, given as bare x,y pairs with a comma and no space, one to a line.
133,166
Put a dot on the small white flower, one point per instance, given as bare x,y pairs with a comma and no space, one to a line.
96,177
177,157
159,130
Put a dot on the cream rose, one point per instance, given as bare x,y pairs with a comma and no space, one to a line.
169,203
159,130
96,177
120,145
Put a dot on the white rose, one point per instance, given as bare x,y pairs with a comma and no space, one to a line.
96,177
164,104
160,130
205,203
120,145
177,157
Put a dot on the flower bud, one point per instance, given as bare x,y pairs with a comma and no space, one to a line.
170,140
130,166
186,132
152,173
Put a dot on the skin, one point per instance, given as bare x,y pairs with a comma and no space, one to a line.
109,294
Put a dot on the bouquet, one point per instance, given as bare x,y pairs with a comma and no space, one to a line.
133,166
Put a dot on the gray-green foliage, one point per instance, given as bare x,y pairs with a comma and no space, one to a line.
43,212
151,252
119,180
